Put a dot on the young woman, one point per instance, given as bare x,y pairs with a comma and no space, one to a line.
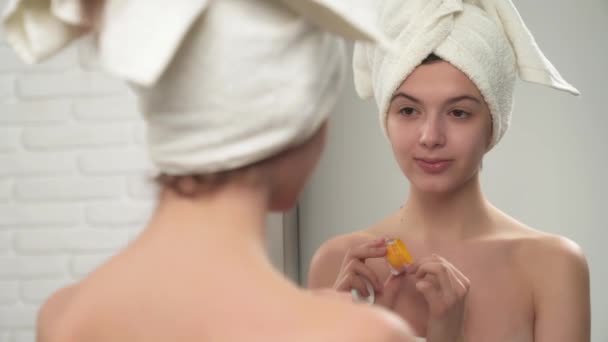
445,100
235,95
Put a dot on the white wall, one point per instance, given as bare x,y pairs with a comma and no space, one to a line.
549,171
74,181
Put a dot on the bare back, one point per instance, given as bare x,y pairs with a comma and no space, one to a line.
148,294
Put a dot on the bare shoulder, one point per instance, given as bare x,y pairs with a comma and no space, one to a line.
327,260
538,249
360,322
550,259
379,324
335,317
51,323
548,250
388,327
556,270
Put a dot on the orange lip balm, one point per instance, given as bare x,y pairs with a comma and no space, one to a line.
397,256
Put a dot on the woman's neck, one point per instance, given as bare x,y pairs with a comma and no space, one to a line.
227,224
218,241
458,215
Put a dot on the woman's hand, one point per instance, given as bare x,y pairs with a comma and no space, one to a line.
353,270
390,290
445,289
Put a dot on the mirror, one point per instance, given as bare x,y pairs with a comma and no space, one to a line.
548,171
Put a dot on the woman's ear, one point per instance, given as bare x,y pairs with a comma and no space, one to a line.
490,132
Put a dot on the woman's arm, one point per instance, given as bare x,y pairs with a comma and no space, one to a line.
329,260
325,264
561,292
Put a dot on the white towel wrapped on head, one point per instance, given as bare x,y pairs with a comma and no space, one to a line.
222,83
486,39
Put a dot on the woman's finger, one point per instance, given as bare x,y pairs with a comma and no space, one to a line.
357,267
366,251
364,270
390,289
431,279
343,284
433,297
437,269
353,267
347,281
413,267
359,284
464,282
460,283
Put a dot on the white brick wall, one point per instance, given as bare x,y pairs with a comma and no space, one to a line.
5,190
35,113
18,318
65,84
6,86
82,264
138,187
68,189
9,139
28,163
12,63
103,109
5,243
66,137
74,179
9,292
70,241
114,161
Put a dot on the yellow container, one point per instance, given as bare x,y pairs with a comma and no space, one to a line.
397,256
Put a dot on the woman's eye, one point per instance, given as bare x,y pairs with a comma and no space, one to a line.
407,111
457,113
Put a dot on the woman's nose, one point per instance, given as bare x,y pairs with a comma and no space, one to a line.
432,133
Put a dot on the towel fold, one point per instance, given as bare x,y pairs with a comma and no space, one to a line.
486,39
221,83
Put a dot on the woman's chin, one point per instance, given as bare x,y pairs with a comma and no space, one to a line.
433,186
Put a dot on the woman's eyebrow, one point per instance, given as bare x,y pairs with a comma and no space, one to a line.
463,97
448,101
409,97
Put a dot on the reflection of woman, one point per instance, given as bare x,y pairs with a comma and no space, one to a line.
445,100
235,117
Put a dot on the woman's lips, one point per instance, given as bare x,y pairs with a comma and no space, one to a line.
433,166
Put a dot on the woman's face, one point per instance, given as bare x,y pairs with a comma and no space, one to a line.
439,127
291,170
